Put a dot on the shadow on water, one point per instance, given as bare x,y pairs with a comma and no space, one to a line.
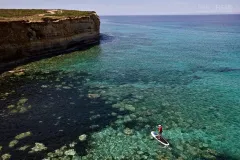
61,111
70,48
225,157
105,38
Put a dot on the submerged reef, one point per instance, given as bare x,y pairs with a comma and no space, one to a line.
75,116
82,119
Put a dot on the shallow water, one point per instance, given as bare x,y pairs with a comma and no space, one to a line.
179,71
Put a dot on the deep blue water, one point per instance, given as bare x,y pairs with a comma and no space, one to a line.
179,71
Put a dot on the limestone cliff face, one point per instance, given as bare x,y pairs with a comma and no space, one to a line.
25,39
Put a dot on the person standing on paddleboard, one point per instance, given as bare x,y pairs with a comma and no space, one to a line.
159,131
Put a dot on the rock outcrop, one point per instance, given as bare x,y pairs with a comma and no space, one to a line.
25,39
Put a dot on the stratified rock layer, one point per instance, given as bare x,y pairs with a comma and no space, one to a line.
27,39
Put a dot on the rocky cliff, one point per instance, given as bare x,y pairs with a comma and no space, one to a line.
24,39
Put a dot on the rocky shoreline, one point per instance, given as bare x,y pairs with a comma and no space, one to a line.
24,40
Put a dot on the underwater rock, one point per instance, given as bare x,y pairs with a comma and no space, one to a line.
58,152
72,144
127,119
119,122
208,156
140,152
205,145
144,157
180,148
119,116
108,102
58,86
148,113
70,152
83,137
147,126
66,87
212,152
39,147
23,148
163,157
23,110
138,157
114,114
128,131
95,117
63,148
130,108
1,148
121,109
133,116
84,158
66,158
140,119
22,101
182,157
13,143
140,97
10,106
19,73
20,108
51,155
6,156
93,96
13,111
117,105
94,126
44,86
192,150
57,80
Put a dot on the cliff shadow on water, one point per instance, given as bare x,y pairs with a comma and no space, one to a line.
55,111
104,38
71,48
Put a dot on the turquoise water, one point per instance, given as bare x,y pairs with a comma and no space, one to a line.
179,71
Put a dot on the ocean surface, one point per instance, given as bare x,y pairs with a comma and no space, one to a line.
179,71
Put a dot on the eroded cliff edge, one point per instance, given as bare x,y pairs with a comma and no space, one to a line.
25,39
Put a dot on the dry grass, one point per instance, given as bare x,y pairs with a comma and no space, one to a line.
8,13
16,14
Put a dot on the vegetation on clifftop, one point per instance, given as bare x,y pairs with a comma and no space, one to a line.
37,14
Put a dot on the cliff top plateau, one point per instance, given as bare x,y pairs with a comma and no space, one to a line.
38,15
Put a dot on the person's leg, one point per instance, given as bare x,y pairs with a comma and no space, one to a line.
159,135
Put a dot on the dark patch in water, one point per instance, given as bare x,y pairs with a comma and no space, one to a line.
105,38
58,114
11,65
225,157
226,69
222,69
164,77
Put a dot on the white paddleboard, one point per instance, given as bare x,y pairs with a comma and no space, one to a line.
161,139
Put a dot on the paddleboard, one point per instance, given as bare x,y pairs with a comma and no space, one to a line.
161,139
